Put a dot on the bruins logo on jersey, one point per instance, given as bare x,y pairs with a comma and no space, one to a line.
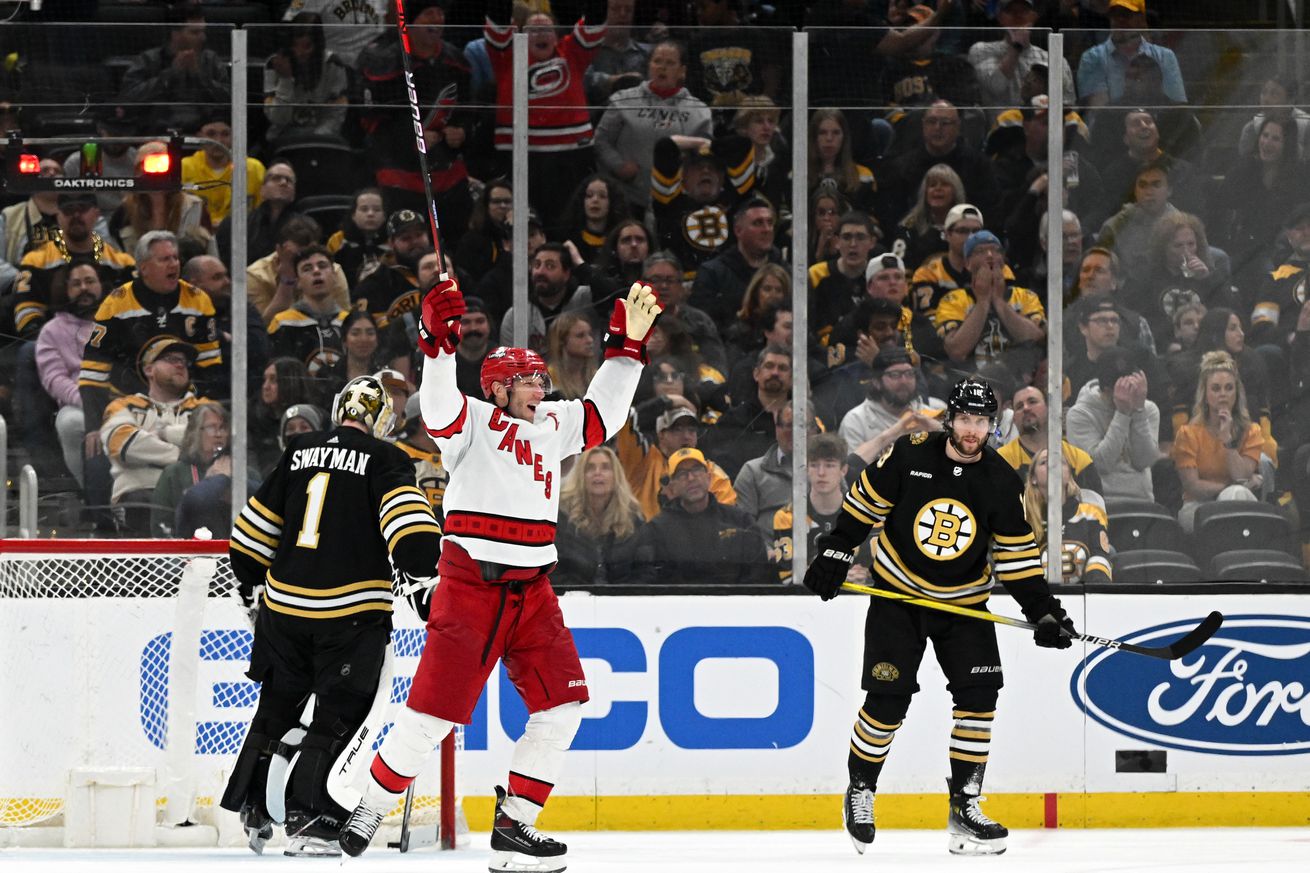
1298,290
884,672
917,438
944,529
706,228
322,359
887,453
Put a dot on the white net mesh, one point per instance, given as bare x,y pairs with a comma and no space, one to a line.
86,638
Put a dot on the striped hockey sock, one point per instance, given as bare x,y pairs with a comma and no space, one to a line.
871,740
971,738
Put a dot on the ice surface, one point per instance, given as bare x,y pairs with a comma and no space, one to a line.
1217,850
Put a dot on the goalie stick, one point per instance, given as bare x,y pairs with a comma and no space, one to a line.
1185,645
419,143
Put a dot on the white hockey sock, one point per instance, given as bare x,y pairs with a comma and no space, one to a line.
538,758
403,753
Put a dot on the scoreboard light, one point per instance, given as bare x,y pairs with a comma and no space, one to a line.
157,164
29,165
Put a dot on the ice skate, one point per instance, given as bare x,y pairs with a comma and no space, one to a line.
258,827
857,814
312,835
521,847
970,831
360,828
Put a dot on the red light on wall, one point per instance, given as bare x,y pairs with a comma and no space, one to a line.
156,164
29,164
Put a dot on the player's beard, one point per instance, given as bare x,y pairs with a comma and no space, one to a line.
964,452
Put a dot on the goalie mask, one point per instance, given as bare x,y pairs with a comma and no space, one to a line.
394,381
365,399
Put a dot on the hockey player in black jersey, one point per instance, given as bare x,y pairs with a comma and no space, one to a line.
947,503
313,551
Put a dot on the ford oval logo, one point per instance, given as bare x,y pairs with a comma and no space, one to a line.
1244,692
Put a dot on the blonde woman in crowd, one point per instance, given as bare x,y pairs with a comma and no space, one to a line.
599,520
1086,542
571,354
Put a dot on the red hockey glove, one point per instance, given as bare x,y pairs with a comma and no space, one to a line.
438,328
631,323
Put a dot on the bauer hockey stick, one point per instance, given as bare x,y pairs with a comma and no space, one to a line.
419,143
1185,645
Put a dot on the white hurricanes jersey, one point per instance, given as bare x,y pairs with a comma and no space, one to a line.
502,502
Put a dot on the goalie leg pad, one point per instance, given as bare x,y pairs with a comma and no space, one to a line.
538,758
249,772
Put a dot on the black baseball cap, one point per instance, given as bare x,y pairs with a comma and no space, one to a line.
403,219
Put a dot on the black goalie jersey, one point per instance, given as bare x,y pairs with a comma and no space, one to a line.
942,520
318,533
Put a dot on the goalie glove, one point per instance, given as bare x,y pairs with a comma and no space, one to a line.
828,570
418,589
439,326
631,322
251,605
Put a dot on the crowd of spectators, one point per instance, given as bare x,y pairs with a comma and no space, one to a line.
660,153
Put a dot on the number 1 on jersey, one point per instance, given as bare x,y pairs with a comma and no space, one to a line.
316,491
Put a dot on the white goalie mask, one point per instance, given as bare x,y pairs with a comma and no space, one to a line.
366,400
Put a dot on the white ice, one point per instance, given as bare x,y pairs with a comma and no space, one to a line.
1215,850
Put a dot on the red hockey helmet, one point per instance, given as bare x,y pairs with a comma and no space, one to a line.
506,363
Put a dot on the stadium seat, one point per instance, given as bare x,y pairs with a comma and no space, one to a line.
1154,565
1231,525
326,209
1143,524
1257,565
325,165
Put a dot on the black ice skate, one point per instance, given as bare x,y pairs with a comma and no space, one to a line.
359,830
521,847
970,831
857,813
312,835
258,827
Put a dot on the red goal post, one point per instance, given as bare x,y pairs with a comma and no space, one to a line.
130,654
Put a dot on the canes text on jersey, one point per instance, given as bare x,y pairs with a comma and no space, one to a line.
520,449
349,460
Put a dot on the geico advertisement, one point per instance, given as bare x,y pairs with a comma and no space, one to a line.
727,695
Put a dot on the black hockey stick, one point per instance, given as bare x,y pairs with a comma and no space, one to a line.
419,143
1185,645
404,820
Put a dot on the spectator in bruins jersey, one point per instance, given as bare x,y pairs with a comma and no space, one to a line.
837,284
156,303
923,229
940,274
310,330
74,239
571,354
175,211
1282,294
689,198
721,281
143,432
1114,421
826,470
991,316
1086,541
829,157
353,500
392,290
1030,411
359,245
949,507
271,281
757,120
696,540
600,525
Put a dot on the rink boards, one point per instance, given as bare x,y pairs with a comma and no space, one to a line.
735,712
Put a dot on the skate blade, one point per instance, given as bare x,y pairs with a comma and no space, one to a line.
257,840
517,861
312,847
859,847
961,844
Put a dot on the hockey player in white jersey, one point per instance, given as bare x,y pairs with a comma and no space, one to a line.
494,600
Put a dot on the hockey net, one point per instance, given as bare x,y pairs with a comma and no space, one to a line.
87,631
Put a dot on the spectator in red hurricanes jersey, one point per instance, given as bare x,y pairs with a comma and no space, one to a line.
559,126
